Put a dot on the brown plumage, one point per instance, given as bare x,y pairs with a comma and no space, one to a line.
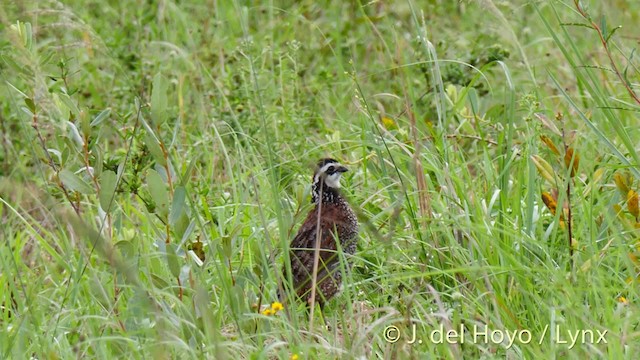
338,222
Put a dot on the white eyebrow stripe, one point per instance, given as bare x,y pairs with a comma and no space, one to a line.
326,167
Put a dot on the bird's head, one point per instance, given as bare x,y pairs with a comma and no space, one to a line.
329,171
326,180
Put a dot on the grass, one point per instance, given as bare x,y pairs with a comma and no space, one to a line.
156,160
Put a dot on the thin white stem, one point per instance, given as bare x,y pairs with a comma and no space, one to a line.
316,260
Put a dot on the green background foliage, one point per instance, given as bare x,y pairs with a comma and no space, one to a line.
156,158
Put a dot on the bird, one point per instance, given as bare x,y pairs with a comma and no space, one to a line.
337,223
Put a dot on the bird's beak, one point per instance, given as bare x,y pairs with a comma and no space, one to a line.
342,169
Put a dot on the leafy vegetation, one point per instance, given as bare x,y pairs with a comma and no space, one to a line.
156,157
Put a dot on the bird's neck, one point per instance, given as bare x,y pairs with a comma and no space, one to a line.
321,192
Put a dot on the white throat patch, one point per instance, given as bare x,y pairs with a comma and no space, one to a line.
332,180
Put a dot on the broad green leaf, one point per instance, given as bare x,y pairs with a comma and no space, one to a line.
177,207
473,99
187,173
57,154
19,69
159,193
159,282
155,149
104,114
190,226
603,27
11,85
85,125
181,226
98,164
185,271
24,30
27,111
108,181
74,182
30,104
173,260
159,99
65,113
66,100
75,135
127,249
226,246
27,34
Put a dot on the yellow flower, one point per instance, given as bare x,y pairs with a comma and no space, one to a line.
267,312
276,306
294,357
623,300
388,123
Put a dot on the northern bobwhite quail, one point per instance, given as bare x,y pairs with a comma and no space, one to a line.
338,222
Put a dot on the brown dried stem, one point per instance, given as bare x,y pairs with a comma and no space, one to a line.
605,45
52,164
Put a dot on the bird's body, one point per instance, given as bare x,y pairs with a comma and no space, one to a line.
337,222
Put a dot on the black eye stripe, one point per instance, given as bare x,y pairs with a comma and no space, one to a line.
331,169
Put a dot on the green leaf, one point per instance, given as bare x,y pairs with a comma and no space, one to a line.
66,100
127,249
108,181
172,260
65,113
101,117
159,99
85,125
75,135
159,282
30,104
226,246
155,149
159,193
473,100
603,27
183,227
187,173
613,31
74,182
177,207
28,36
19,69
99,164
189,227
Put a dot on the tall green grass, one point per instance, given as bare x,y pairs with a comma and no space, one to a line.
140,138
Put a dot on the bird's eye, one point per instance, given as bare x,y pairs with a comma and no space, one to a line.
331,169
